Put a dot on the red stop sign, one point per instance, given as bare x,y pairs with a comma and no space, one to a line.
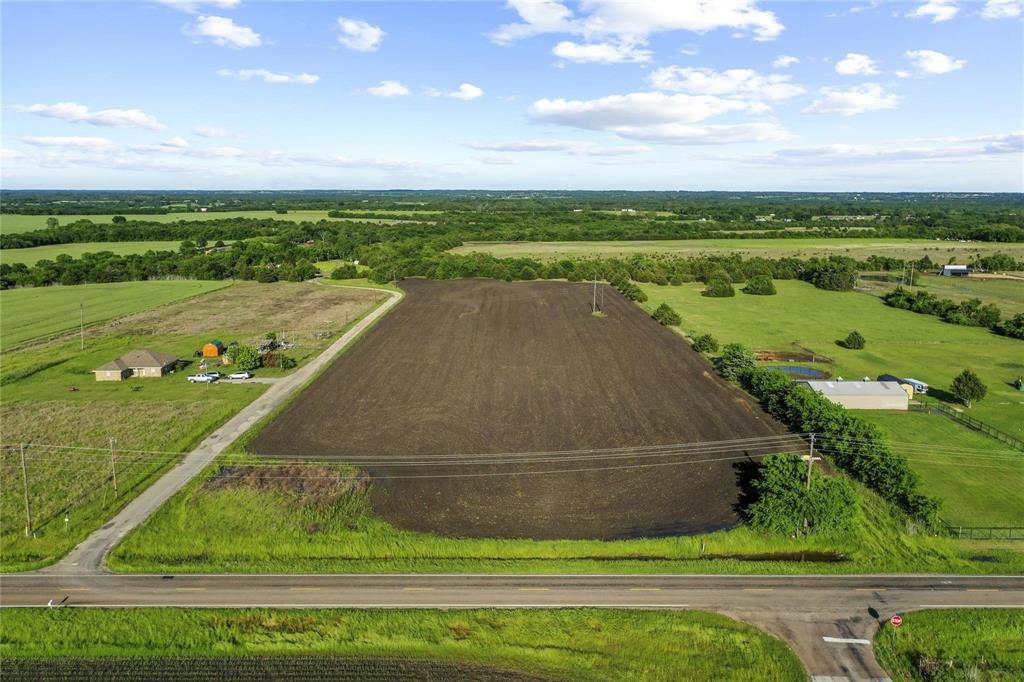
896,620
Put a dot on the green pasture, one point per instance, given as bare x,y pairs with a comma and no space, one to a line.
1007,294
953,645
854,247
27,314
33,255
978,479
899,342
564,644
11,223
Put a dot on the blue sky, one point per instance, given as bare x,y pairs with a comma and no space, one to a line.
541,94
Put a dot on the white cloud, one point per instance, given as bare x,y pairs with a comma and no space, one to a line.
193,6
79,113
637,20
934,63
466,92
601,53
359,35
658,117
388,89
745,83
209,131
856,100
1002,9
690,49
180,146
937,10
580,148
88,144
224,31
784,61
496,160
856,65
903,74
270,76
948,148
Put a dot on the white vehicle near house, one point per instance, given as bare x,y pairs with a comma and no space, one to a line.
919,386
240,375
203,378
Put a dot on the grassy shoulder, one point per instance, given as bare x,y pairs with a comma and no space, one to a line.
954,644
899,342
52,402
568,644
318,519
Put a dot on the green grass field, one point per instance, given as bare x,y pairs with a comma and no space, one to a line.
979,481
33,255
769,248
564,644
1007,294
899,342
11,223
953,645
39,312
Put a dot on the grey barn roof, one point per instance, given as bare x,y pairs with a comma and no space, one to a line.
138,358
879,388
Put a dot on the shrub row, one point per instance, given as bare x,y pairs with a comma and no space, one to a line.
970,312
853,444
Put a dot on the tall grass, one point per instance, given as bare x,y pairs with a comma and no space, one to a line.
569,644
954,644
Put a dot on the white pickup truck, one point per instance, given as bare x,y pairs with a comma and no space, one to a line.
203,378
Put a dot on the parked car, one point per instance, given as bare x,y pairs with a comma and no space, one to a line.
203,378
919,386
213,375
240,375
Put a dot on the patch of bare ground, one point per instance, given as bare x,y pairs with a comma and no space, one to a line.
307,486
506,369
248,305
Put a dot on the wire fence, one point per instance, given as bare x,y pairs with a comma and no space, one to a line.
984,532
969,421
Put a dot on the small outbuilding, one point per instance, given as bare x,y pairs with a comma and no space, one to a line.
863,395
955,271
138,363
213,349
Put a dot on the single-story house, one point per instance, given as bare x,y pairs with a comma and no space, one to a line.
138,363
863,395
213,349
955,271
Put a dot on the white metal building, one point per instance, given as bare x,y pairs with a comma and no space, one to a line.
955,271
863,395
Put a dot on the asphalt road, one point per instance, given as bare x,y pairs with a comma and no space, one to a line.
90,555
828,620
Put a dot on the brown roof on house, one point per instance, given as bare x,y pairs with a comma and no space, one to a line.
138,358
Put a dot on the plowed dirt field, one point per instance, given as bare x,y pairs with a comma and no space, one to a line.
501,409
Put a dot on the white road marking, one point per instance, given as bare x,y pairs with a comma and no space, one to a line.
846,640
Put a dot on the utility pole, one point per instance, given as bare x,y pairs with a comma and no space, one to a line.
593,305
810,459
81,323
911,275
113,465
24,482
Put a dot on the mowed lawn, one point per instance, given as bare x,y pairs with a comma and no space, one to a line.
899,342
977,478
556,644
11,223
33,255
45,311
860,248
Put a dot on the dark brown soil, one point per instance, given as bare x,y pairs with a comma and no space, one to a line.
255,668
481,366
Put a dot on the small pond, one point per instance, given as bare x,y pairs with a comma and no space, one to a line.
800,372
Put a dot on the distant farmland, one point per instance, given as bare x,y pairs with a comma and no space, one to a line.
860,247
11,223
33,255
480,369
